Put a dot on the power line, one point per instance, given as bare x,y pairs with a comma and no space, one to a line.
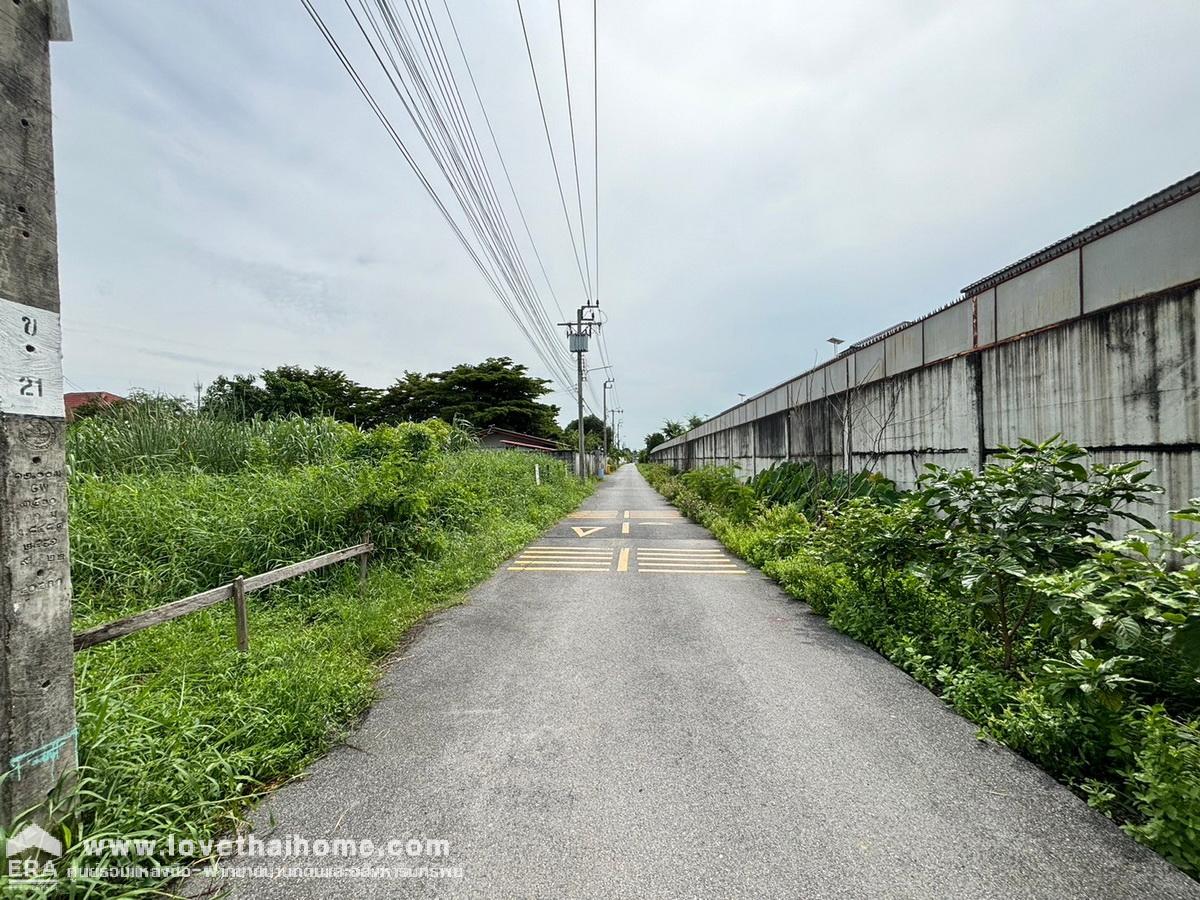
553,157
503,165
384,120
562,37
596,145
450,138
444,146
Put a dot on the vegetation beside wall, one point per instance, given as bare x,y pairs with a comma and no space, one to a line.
1003,592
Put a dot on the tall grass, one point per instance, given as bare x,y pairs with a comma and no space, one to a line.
155,437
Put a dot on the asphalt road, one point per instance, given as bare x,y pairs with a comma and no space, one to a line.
628,712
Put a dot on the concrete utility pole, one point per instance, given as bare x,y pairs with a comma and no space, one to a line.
608,382
578,333
579,388
37,704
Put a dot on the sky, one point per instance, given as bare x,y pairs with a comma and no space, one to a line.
770,175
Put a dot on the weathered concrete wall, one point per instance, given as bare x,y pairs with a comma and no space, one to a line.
1094,338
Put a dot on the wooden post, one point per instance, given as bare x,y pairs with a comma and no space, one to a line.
537,474
37,706
363,562
243,616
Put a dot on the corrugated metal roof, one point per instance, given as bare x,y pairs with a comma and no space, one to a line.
1180,190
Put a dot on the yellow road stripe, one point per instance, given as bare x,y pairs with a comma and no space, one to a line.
691,571
567,549
625,528
685,571
680,550
598,557
664,565
593,514
580,553
627,514
556,569
623,560
707,554
582,560
596,551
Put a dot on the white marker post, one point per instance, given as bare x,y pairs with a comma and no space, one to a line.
37,713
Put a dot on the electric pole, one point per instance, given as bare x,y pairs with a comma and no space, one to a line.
608,382
578,333
37,703
579,386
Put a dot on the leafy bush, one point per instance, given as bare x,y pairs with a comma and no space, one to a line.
809,486
999,527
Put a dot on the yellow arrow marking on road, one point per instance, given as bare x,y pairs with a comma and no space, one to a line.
584,532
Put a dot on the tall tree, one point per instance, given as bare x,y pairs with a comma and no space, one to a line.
496,392
293,390
673,429
593,433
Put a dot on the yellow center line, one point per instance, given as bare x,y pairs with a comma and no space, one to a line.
625,528
623,560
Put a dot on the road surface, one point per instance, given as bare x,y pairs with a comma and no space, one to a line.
624,710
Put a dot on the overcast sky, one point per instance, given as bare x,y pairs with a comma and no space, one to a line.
771,174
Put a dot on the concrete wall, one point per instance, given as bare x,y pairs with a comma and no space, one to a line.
1094,338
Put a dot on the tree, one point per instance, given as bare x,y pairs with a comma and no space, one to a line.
672,429
694,421
496,392
293,390
592,434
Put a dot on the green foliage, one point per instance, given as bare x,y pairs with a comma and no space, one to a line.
145,437
496,392
1003,591
808,485
292,391
177,731
997,528
673,429
593,433
1166,779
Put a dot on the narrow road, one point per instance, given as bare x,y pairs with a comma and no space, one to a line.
624,710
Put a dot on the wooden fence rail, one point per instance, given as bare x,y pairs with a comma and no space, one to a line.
236,591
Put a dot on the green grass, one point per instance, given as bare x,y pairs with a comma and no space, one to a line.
178,731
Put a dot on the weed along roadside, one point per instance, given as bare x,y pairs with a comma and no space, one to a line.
178,730
1003,592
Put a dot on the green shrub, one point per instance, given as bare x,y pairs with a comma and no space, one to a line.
809,486
1166,789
